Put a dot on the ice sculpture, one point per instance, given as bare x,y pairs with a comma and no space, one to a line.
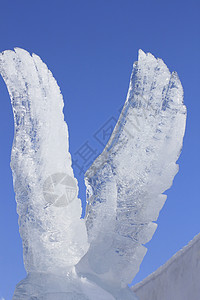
71,258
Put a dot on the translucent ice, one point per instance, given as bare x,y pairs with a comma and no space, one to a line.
54,237
125,184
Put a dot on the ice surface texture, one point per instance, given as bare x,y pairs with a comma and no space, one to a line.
125,184
42,286
54,238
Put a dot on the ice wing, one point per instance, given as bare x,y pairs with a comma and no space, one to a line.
54,238
125,184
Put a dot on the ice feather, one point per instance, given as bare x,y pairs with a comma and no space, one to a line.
54,238
125,184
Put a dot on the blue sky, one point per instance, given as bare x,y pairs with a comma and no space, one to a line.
90,47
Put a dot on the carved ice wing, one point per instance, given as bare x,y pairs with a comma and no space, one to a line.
125,184
54,238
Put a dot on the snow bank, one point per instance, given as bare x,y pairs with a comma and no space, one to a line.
178,279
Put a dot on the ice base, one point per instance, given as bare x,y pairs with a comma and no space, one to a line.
42,286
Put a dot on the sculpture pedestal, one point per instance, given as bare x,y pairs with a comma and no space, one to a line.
42,286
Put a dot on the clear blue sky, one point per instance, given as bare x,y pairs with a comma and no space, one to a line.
90,47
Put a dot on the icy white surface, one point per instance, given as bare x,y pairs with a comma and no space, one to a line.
178,279
126,182
41,286
54,238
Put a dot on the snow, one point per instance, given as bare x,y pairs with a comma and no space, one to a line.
177,279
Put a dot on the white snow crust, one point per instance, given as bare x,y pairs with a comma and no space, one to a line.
177,279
